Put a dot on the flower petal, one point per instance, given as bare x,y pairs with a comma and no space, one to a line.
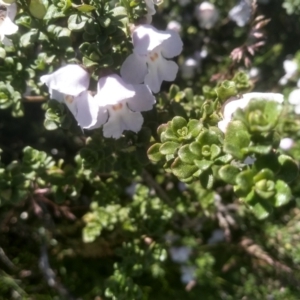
265,96
112,90
5,41
173,46
232,106
8,27
145,38
69,80
87,110
160,71
150,7
101,118
57,96
12,11
294,97
223,124
143,99
134,69
122,120
241,13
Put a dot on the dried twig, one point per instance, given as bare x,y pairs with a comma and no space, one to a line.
50,275
256,251
158,189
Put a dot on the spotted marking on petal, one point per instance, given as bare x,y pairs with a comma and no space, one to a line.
69,99
117,107
153,56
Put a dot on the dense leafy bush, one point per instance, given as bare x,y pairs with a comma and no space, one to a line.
149,149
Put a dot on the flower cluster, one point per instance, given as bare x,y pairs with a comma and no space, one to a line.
8,12
116,105
119,101
148,61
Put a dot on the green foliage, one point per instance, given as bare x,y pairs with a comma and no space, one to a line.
174,211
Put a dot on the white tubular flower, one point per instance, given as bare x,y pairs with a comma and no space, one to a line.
188,68
286,143
241,13
69,85
294,99
188,274
290,67
206,14
174,25
180,254
232,106
7,27
151,9
148,62
120,105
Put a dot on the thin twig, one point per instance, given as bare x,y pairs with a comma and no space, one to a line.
158,189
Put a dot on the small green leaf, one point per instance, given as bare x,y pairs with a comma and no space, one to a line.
169,135
76,22
178,123
226,90
244,180
84,7
182,170
50,125
194,127
265,188
260,149
224,159
203,165
283,193
37,8
236,138
186,155
228,173
209,137
88,63
264,174
174,89
154,154
168,148
260,211
289,169
196,148
215,151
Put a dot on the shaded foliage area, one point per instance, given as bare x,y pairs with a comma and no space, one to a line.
170,212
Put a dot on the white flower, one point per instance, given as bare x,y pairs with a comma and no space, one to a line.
206,14
216,237
69,85
180,254
290,67
120,105
148,62
188,68
249,160
151,9
7,15
174,25
232,106
294,99
286,143
241,13
188,273
254,72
